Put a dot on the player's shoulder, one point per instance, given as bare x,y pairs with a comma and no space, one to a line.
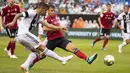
129,13
121,14
4,7
104,11
47,17
112,13
16,5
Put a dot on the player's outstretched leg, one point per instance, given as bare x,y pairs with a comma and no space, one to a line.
53,55
32,58
13,49
96,40
121,46
71,48
8,49
104,44
106,39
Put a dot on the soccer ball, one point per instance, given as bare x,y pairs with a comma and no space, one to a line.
109,60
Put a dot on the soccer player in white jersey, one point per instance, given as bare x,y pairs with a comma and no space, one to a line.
29,40
123,22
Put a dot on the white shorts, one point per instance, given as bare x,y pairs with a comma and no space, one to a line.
40,29
29,41
125,36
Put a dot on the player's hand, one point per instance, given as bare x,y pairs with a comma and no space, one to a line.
63,29
122,28
9,24
101,26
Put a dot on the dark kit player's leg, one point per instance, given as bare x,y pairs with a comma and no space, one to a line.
68,46
11,45
106,39
98,38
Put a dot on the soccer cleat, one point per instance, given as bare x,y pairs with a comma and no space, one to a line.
24,68
8,52
120,49
66,59
92,58
13,56
103,49
92,45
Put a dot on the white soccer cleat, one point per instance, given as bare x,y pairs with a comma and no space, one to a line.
67,59
120,49
8,52
24,69
13,56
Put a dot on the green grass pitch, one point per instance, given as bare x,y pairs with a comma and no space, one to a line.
76,65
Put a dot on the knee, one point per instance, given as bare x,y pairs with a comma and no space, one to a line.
102,37
107,37
127,41
13,40
41,48
71,47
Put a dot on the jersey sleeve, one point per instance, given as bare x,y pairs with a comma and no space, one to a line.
102,14
119,17
113,18
18,10
29,13
3,13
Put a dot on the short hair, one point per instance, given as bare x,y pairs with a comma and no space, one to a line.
51,6
42,4
127,6
108,4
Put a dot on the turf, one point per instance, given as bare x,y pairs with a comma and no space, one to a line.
76,65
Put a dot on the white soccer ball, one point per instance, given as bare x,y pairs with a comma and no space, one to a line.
109,60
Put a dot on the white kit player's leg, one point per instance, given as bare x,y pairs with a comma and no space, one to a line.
125,37
35,57
53,55
121,46
29,62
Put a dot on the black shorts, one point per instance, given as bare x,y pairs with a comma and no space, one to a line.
104,32
12,32
59,42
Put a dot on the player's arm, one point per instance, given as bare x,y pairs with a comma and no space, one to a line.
99,20
3,13
118,22
50,26
47,29
17,16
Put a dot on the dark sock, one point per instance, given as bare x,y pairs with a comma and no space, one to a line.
12,46
105,42
80,54
8,47
97,39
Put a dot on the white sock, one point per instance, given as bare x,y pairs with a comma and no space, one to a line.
45,42
123,44
29,62
53,55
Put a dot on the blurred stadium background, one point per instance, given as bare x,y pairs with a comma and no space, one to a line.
80,16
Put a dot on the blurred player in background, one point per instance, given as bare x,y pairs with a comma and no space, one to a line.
105,20
123,22
8,13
